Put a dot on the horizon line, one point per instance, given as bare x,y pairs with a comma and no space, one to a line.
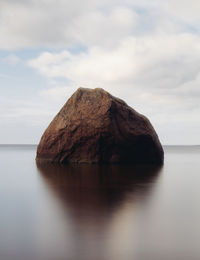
1,144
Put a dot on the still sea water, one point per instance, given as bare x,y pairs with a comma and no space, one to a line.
91,212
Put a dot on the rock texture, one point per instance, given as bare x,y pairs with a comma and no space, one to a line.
95,127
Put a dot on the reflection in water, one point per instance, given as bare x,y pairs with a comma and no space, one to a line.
98,202
90,212
97,189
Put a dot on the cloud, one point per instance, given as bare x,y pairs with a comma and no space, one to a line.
146,52
159,63
187,11
63,24
157,74
38,23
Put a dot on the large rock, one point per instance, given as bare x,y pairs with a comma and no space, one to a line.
95,127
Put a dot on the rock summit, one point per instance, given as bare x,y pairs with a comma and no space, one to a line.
96,127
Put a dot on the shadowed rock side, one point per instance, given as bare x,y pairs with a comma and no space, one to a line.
95,127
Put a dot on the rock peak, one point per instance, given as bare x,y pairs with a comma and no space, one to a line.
96,127
88,92
81,89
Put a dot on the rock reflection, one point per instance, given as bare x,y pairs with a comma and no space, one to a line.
99,205
98,189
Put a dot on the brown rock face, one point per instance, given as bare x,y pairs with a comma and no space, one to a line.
95,127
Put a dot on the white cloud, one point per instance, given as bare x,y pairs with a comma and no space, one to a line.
187,11
64,23
38,23
158,62
146,52
106,29
156,74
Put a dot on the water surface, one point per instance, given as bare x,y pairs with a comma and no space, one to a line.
91,212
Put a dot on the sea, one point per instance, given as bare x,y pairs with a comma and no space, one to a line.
99,212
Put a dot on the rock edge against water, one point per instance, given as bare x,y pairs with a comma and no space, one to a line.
95,127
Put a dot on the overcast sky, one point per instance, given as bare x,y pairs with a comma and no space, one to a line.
146,52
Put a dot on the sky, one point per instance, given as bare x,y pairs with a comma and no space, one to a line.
147,52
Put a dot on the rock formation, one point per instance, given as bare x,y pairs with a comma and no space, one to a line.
95,127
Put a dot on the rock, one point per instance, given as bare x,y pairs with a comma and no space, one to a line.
95,127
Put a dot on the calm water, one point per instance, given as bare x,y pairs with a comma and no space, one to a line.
99,213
